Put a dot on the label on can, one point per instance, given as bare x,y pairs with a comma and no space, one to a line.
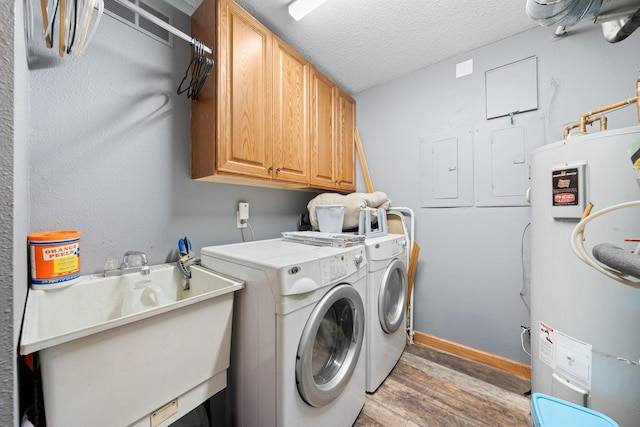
55,258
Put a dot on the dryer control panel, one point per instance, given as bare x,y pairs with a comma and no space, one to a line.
339,266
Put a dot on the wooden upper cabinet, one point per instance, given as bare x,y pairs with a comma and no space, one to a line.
244,94
204,124
322,130
332,135
290,114
265,116
345,115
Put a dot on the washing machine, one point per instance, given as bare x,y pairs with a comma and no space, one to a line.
385,306
298,334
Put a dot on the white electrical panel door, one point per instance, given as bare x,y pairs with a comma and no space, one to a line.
446,169
508,169
502,151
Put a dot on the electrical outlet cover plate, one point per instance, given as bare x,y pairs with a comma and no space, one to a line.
240,223
242,216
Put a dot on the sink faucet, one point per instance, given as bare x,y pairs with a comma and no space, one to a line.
144,266
126,268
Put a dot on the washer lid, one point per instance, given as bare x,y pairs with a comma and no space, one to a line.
272,253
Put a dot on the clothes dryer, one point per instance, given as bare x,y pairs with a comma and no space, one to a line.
385,306
298,334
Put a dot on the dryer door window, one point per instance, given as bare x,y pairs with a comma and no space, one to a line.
330,346
392,297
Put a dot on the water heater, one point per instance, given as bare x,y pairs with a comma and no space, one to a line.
585,326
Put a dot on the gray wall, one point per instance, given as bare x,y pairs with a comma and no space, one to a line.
7,358
14,206
470,272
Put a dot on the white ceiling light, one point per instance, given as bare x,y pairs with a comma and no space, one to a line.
298,9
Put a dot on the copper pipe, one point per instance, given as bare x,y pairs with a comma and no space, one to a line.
585,116
588,121
603,122
567,130
587,210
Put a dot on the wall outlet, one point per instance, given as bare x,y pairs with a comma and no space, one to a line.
242,215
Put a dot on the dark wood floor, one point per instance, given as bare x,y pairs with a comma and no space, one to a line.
434,388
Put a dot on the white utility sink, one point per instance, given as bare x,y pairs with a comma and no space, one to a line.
103,367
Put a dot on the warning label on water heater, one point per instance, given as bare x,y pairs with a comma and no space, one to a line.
547,344
568,192
566,187
566,355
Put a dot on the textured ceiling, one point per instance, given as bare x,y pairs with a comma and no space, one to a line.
363,43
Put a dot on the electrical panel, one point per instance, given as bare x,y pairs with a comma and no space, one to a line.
502,152
446,169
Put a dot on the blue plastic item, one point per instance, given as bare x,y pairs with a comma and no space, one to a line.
184,246
186,256
548,411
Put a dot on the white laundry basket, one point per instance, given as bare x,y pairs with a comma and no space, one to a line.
330,218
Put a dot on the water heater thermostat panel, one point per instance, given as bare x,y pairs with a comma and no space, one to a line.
569,190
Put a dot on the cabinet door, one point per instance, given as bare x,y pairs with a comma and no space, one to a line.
290,114
345,174
322,131
244,94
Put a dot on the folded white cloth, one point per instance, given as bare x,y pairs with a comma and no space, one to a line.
354,203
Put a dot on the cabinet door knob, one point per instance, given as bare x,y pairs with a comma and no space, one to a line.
278,170
271,167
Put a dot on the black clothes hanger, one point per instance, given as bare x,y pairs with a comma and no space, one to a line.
197,72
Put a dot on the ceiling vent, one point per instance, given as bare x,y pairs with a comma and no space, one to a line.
619,18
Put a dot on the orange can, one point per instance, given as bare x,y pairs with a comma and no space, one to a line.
55,258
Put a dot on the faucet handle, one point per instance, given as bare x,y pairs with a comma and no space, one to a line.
111,264
128,261
134,260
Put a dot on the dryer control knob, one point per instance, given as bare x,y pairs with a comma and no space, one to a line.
358,259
